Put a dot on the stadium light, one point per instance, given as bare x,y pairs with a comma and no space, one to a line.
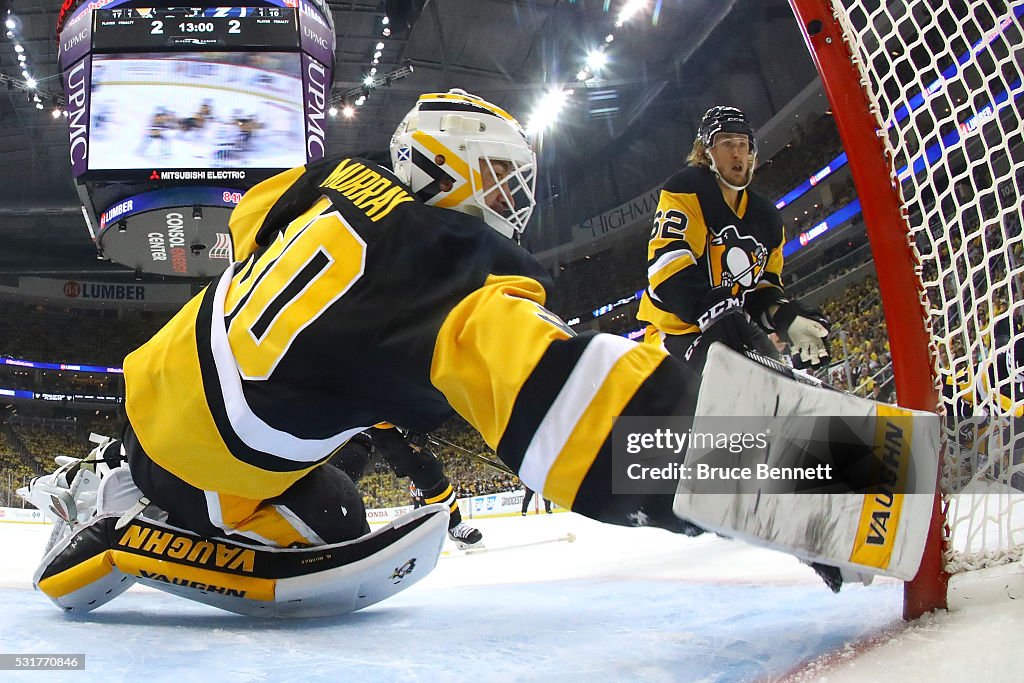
368,81
597,59
385,20
333,111
18,48
380,46
30,83
348,112
377,54
11,23
55,113
630,10
547,110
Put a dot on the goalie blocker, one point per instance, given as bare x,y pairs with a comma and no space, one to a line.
101,559
882,531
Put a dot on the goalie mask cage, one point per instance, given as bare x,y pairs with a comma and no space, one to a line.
925,96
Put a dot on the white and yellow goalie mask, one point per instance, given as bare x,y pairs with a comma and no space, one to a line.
458,151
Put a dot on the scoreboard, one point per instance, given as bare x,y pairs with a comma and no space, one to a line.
174,112
152,30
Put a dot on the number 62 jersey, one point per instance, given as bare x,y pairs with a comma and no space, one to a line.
325,324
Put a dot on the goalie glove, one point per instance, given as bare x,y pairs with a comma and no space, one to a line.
804,329
726,322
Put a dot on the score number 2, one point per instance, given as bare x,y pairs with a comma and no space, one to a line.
156,27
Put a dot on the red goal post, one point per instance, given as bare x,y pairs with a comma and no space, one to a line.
929,120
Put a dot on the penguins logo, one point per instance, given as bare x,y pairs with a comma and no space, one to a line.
403,571
736,261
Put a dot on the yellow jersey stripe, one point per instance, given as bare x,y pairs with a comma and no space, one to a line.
669,264
579,391
580,450
669,323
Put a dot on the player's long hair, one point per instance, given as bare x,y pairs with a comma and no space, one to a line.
698,155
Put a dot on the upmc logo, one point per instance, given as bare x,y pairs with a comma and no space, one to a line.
76,85
316,100
72,289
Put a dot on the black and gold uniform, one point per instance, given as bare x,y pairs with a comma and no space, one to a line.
702,251
353,303
1002,378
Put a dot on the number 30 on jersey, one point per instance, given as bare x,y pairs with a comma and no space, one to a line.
312,264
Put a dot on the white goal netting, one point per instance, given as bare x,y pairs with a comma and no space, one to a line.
944,79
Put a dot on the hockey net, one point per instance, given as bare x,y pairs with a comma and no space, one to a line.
942,82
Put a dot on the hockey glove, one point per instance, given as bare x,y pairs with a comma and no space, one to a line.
726,322
804,329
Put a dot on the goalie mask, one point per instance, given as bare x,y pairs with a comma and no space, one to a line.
458,151
726,120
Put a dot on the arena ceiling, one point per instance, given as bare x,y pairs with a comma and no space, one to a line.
507,51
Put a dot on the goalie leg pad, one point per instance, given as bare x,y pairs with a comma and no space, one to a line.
99,561
77,573
879,532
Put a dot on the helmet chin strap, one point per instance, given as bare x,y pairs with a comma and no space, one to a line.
738,188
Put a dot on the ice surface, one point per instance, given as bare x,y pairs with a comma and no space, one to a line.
616,604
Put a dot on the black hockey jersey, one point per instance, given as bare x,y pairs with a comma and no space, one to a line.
701,250
324,326
352,303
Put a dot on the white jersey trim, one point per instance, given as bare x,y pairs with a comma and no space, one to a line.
253,431
585,380
667,259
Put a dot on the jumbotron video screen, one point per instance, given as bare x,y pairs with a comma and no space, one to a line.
210,109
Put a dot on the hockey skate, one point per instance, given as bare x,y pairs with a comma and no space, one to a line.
82,488
465,536
67,496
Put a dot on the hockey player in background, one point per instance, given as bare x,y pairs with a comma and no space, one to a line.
714,261
985,407
360,295
408,456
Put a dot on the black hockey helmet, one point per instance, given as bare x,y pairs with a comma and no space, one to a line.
725,120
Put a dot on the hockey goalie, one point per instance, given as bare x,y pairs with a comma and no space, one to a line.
359,295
